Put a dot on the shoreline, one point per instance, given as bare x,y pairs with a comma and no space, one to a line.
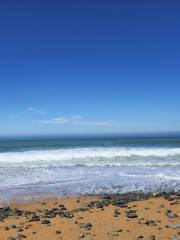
94,217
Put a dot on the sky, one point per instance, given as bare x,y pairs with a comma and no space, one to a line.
82,67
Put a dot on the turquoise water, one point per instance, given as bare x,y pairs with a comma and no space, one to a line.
16,145
74,166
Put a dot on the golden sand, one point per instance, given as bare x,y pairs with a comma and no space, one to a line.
106,225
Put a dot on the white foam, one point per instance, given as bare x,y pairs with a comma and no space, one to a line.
96,156
90,170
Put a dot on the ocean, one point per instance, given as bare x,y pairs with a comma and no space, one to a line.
88,166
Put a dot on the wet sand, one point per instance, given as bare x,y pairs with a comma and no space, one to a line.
92,218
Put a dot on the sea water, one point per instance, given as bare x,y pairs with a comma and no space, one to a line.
88,166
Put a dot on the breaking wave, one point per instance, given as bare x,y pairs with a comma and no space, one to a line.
114,156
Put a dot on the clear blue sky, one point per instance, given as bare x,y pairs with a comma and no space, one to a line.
73,67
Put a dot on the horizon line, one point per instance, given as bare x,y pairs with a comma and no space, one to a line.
89,135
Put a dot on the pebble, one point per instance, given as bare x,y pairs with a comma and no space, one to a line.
81,235
131,215
86,225
45,221
75,222
140,237
150,223
116,213
35,218
152,238
20,236
13,226
171,214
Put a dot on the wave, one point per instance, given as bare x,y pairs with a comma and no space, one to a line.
89,170
102,156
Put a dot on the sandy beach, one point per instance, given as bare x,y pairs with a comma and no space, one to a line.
93,217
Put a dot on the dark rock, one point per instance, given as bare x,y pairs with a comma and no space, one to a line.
82,209
173,203
20,236
5,209
140,237
116,213
170,197
17,212
13,226
119,202
45,221
131,215
98,205
86,225
131,211
35,218
151,223
58,232
61,205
